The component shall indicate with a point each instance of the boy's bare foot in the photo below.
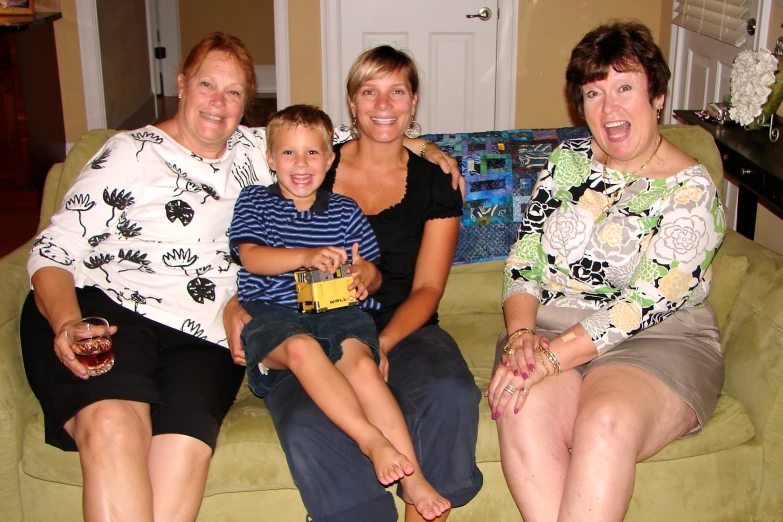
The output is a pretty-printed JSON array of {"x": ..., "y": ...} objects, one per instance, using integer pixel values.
[
  {"x": 428, "y": 502},
  {"x": 390, "y": 465}
]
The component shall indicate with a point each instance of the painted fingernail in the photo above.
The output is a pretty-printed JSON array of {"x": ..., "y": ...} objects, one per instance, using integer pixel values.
[
  {"x": 494, "y": 415},
  {"x": 516, "y": 372},
  {"x": 524, "y": 376},
  {"x": 486, "y": 393},
  {"x": 532, "y": 367},
  {"x": 516, "y": 410}
]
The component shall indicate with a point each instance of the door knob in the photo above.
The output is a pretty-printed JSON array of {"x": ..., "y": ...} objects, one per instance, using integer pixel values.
[
  {"x": 485, "y": 13},
  {"x": 751, "y": 29}
]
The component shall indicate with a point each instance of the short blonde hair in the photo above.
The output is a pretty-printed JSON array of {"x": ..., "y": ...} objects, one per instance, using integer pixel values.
[
  {"x": 307, "y": 116},
  {"x": 381, "y": 61}
]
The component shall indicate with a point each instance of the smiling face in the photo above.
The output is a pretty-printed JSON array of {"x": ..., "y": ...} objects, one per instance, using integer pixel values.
[
  {"x": 301, "y": 158},
  {"x": 384, "y": 106},
  {"x": 623, "y": 121},
  {"x": 212, "y": 104}
]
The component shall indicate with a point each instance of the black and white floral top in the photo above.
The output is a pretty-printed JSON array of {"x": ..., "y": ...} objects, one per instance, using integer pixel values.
[
  {"x": 147, "y": 222},
  {"x": 633, "y": 249}
]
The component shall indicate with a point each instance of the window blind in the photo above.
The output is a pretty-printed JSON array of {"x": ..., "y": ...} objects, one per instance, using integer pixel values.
[{"x": 724, "y": 20}]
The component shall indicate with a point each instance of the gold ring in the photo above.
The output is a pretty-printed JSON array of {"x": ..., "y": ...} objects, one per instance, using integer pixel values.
[
  {"x": 525, "y": 390},
  {"x": 510, "y": 389}
]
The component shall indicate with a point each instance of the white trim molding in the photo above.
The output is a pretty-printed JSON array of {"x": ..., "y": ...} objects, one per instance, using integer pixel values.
[
  {"x": 333, "y": 92},
  {"x": 282, "y": 66},
  {"x": 92, "y": 72},
  {"x": 505, "y": 70}
]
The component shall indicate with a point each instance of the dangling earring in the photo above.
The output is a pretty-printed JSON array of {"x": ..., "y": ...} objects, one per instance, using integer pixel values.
[
  {"x": 414, "y": 129},
  {"x": 179, "y": 96},
  {"x": 355, "y": 131},
  {"x": 659, "y": 112}
]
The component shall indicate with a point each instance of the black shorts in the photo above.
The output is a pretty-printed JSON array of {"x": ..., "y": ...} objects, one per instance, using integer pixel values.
[{"x": 189, "y": 383}]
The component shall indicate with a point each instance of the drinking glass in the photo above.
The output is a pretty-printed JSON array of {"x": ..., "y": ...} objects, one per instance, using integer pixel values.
[{"x": 91, "y": 343}]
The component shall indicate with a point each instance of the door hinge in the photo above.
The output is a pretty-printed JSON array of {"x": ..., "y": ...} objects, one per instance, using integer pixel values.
[{"x": 160, "y": 53}]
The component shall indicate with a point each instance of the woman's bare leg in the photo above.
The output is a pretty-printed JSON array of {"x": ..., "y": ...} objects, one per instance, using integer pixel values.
[
  {"x": 534, "y": 446},
  {"x": 384, "y": 413},
  {"x": 113, "y": 437},
  {"x": 625, "y": 415},
  {"x": 178, "y": 467},
  {"x": 330, "y": 390}
]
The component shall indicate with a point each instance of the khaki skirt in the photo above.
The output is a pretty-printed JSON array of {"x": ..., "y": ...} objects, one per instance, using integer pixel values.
[{"x": 683, "y": 351}]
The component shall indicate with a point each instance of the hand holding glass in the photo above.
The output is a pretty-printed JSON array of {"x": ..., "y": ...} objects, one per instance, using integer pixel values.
[{"x": 91, "y": 344}]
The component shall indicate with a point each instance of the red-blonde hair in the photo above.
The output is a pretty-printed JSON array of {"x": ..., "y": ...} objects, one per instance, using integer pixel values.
[{"x": 232, "y": 46}]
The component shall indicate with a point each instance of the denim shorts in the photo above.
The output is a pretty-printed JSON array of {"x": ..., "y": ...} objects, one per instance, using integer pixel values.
[{"x": 271, "y": 325}]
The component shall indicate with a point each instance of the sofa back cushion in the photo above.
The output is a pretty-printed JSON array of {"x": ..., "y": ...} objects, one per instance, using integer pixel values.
[{"x": 60, "y": 178}]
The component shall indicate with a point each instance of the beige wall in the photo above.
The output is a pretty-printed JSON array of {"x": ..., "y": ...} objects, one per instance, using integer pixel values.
[
  {"x": 252, "y": 21},
  {"x": 304, "y": 43},
  {"x": 69, "y": 62},
  {"x": 546, "y": 38}
]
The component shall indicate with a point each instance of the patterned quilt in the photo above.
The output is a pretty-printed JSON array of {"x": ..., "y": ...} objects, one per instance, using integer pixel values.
[{"x": 500, "y": 169}]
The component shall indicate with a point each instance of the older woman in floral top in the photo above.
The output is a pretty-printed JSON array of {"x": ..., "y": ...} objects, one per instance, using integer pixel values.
[{"x": 610, "y": 351}]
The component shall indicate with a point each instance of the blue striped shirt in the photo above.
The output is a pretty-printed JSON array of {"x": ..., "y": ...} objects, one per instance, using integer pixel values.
[{"x": 263, "y": 216}]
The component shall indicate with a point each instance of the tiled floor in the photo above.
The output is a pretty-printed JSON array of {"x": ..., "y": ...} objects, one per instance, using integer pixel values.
[{"x": 18, "y": 226}]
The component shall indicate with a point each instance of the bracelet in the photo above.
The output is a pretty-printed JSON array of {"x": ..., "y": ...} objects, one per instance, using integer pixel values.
[
  {"x": 543, "y": 361},
  {"x": 424, "y": 147},
  {"x": 549, "y": 355},
  {"x": 513, "y": 336}
]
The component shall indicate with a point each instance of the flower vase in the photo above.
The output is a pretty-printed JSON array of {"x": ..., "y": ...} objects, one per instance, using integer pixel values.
[{"x": 770, "y": 107}]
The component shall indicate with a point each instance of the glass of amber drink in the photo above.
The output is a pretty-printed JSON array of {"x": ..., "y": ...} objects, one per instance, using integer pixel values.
[{"x": 91, "y": 344}]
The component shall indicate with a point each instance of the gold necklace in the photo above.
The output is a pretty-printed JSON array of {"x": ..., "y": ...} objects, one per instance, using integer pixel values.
[{"x": 644, "y": 165}]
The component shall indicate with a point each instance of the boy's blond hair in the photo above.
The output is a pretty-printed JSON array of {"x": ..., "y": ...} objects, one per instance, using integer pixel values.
[{"x": 307, "y": 116}]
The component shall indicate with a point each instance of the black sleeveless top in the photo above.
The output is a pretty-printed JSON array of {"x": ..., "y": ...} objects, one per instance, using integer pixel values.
[{"x": 399, "y": 229}]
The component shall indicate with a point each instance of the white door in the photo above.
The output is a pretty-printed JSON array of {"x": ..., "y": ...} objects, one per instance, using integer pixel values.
[
  {"x": 701, "y": 66},
  {"x": 456, "y": 56}
]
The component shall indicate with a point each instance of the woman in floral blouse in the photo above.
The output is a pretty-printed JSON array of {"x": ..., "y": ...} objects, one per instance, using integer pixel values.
[{"x": 610, "y": 350}]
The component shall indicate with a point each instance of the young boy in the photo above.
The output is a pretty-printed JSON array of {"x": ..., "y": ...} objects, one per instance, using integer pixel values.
[{"x": 335, "y": 355}]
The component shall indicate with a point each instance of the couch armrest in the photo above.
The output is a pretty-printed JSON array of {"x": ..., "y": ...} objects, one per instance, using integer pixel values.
[
  {"x": 16, "y": 398},
  {"x": 753, "y": 350}
]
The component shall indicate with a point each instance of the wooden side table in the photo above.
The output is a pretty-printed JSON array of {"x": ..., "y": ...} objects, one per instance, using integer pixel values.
[
  {"x": 752, "y": 162},
  {"x": 32, "y": 132}
]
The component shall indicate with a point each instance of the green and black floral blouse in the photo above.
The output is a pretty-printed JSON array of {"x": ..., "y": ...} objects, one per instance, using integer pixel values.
[{"x": 633, "y": 249}]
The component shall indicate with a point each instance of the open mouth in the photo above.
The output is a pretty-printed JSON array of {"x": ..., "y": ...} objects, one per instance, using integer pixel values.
[
  {"x": 617, "y": 130},
  {"x": 383, "y": 121},
  {"x": 301, "y": 179}
]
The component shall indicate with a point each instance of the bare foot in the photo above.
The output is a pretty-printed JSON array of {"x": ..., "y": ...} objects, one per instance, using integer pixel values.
[
  {"x": 390, "y": 465},
  {"x": 428, "y": 502}
]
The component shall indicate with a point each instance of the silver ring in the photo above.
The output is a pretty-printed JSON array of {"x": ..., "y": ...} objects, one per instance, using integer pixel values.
[{"x": 510, "y": 389}]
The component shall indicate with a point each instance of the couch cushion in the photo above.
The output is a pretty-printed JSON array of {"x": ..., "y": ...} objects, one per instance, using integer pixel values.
[
  {"x": 727, "y": 277},
  {"x": 249, "y": 457}
]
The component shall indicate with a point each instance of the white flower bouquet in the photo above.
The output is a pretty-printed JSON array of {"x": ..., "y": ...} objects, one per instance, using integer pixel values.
[{"x": 756, "y": 91}]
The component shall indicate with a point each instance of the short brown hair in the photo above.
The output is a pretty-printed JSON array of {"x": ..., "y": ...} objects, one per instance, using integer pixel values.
[
  {"x": 232, "y": 46},
  {"x": 380, "y": 61},
  {"x": 623, "y": 46},
  {"x": 307, "y": 116}
]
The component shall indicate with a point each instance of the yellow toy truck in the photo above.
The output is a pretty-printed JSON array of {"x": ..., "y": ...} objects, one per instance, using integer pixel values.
[{"x": 321, "y": 291}]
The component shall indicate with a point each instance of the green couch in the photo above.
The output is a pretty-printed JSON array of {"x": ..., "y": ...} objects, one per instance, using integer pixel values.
[{"x": 733, "y": 471}]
